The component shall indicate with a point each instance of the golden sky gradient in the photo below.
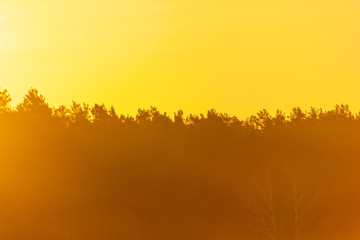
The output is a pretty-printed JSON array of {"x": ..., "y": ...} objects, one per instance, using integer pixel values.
[{"x": 236, "y": 56}]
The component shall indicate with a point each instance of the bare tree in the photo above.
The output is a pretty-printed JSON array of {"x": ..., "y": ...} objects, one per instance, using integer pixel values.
[
  {"x": 299, "y": 199},
  {"x": 295, "y": 200},
  {"x": 263, "y": 210}
]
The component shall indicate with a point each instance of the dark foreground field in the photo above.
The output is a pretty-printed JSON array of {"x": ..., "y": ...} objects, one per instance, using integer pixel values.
[{"x": 87, "y": 173}]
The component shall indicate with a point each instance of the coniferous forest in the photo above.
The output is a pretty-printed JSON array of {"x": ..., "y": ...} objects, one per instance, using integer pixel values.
[{"x": 88, "y": 172}]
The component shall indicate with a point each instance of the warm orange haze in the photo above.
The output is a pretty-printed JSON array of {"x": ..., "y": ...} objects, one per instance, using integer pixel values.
[
  {"x": 86, "y": 172},
  {"x": 215, "y": 159}
]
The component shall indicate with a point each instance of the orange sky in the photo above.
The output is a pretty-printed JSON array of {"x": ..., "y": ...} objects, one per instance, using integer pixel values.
[{"x": 235, "y": 56}]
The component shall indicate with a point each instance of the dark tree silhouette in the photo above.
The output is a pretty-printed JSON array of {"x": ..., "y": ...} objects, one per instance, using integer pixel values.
[{"x": 86, "y": 172}]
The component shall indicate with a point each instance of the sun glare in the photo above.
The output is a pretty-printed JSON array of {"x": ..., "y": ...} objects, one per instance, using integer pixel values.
[{"x": 3, "y": 32}]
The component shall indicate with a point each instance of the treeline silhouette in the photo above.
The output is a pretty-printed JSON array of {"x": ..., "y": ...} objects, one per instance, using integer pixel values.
[{"x": 85, "y": 172}]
